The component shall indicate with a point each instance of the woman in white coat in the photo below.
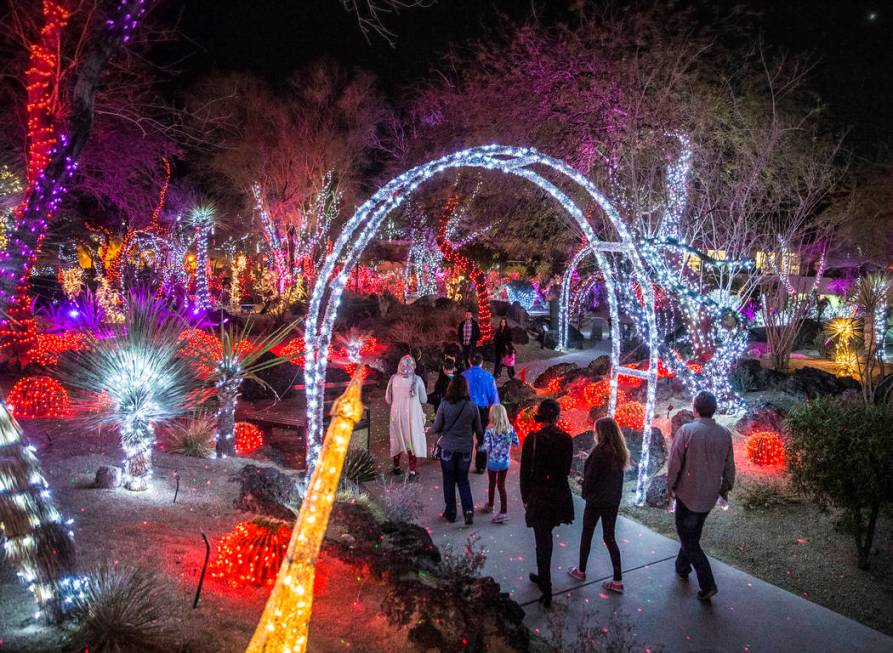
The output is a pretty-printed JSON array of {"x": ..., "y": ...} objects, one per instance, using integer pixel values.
[{"x": 406, "y": 395}]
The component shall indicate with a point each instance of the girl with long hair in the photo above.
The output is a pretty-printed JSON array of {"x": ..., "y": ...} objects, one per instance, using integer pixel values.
[
  {"x": 602, "y": 489},
  {"x": 499, "y": 438}
]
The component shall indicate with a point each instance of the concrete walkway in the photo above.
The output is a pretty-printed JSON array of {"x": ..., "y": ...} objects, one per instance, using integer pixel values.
[
  {"x": 748, "y": 615},
  {"x": 581, "y": 357}
]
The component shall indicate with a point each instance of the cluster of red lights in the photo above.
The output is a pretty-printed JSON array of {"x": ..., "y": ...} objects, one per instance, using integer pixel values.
[
  {"x": 630, "y": 415},
  {"x": 765, "y": 448},
  {"x": 34, "y": 397},
  {"x": 205, "y": 350},
  {"x": 248, "y": 438},
  {"x": 292, "y": 349},
  {"x": 524, "y": 423},
  {"x": 598, "y": 393},
  {"x": 251, "y": 554},
  {"x": 48, "y": 347},
  {"x": 471, "y": 270}
]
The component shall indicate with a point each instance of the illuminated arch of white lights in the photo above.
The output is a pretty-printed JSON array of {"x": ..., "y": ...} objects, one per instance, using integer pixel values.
[{"x": 523, "y": 162}]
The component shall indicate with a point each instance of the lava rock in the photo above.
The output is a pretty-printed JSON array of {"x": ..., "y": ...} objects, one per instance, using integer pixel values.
[
  {"x": 679, "y": 420},
  {"x": 761, "y": 416},
  {"x": 515, "y": 391},
  {"x": 599, "y": 367},
  {"x": 811, "y": 382},
  {"x": 517, "y": 314},
  {"x": 657, "y": 452},
  {"x": 499, "y": 308},
  {"x": 267, "y": 491},
  {"x": 554, "y": 372},
  {"x": 656, "y": 494},
  {"x": 108, "y": 477}
]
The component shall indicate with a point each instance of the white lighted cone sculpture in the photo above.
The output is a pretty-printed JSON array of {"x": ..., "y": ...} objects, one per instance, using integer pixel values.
[
  {"x": 528, "y": 164},
  {"x": 285, "y": 622}
]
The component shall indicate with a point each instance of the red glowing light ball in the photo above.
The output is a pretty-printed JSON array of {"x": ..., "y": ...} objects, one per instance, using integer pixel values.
[
  {"x": 524, "y": 423},
  {"x": 630, "y": 415},
  {"x": 251, "y": 553},
  {"x": 248, "y": 438},
  {"x": 34, "y": 397},
  {"x": 599, "y": 394},
  {"x": 292, "y": 349},
  {"x": 765, "y": 448}
]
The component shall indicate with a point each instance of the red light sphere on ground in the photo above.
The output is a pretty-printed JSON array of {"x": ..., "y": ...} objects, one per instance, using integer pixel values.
[
  {"x": 631, "y": 415},
  {"x": 765, "y": 448},
  {"x": 251, "y": 554},
  {"x": 248, "y": 438},
  {"x": 34, "y": 397}
]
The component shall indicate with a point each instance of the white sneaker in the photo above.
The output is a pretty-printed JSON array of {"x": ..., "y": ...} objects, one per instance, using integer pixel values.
[{"x": 501, "y": 518}]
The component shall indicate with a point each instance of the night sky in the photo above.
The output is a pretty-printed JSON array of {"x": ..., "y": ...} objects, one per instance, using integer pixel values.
[{"x": 850, "y": 40}]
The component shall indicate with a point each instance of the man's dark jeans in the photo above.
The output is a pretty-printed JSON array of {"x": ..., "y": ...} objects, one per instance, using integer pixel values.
[
  {"x": 480, "y": 457},
  {"x": 467, "y": 353},
  {"x": 689, "y": 526},
  {"x": 455, "y": 473},
  {"x": 542, "y": 535}
]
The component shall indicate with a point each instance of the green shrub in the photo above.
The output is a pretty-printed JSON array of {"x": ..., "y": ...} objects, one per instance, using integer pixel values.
[
  {"x": 194, "y": 438},
  {"x": 840, "y": 453},
  {"x": 121, "y": 611},
  {"x": 763, "y": 496},
  {"x": 359, "y": 467}
]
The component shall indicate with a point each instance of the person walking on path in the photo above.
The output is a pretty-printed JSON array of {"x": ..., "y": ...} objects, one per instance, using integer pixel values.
[
  {"x": 483, "y": 392},
  {"x": 700, "y": 471},
  {"x": 602, "y": 490},
  {"x": 502, "y": 345},
  {"x": 446, "y": 374},
  {"x": 406, "y": 395},
  {"x": 499, "y": 438},
  {"x": 457, "y": 423},
  {"x": 468, "y": 333},
  {"x": 545, "y": 465}
]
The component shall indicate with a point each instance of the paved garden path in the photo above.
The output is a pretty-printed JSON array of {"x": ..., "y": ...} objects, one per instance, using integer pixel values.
[
  {"x": 581, "y": 357},
  {"x": 747, "y": 615}
]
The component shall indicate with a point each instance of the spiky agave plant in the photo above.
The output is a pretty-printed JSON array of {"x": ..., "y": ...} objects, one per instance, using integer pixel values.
[
  {"x": 135, "y": 381},
  {"x": 226, "y": 362}
]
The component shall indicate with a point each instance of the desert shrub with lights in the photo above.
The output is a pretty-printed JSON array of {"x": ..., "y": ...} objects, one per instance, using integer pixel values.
[
  {"x": 630, "y": 415},
  {"x": 34, "y": 397},
  {"x": 840, "y": 453},
  {"x": 251, "y": 554},
  {"x": 765, "y": 448},
  {"x": 141, "y": 380},
  {"x": 226, "y": 360}
]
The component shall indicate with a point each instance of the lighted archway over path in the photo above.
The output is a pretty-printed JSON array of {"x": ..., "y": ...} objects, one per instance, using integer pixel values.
[{"x": 529, "y": 164}]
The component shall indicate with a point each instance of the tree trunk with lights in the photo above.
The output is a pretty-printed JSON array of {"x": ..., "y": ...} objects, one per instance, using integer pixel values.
[
  {"x": 227, "y": 396},
  {"x": 137, "y": 440}
]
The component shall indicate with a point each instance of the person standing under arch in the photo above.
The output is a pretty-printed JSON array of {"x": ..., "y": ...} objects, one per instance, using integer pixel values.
[
  {"x": 406, "y": 395},
  {"x": 546, "y": 458},
  {"x": 502, "y": 347},
  {"x": 468, "y": 333}
]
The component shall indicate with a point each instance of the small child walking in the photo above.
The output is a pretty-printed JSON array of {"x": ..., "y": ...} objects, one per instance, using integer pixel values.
[{"x": 499, "y": 438}]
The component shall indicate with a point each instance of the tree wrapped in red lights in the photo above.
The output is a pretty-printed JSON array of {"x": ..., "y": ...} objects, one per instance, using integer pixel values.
[
  {"x": 765, "y": 448},
  {"x": 251, "y": 554},
  {"x": 248, "y": 438},
  {"x": 467, "y": 266},
  {"x": 34, "y": 397}
]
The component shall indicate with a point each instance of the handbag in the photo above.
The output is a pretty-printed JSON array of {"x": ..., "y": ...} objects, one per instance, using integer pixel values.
[
  {"x": 437, "y": 449},
  {"x": 509, "y": 360}
]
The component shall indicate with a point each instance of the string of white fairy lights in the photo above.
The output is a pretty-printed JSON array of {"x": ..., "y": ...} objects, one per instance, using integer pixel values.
[{"x": 366, "y": 221}]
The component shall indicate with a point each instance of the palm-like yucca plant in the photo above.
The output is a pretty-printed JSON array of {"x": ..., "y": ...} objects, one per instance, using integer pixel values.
[
  {"x": 870, "y": 294},
  {"x": 226, "y": 362},
  {"x": 135, "y": 381}
]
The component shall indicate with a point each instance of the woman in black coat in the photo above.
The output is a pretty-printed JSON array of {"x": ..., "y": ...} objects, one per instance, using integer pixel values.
[
  {"x": 502, "y": 343},
  {"x": 545, "y": 465}
]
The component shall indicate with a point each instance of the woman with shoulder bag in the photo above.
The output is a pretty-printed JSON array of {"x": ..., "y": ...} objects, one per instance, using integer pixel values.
[
  {"x": 457, "y": 423},
  {"x": 545, "y": 465},
  {"x": 502, "y": 346}
]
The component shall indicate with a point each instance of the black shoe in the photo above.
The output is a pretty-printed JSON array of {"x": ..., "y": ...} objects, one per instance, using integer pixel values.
[
  {"x": 396, "y": 471},
  {"x": 469, "y": 518},
  {"x": 706, "y": 595},
  {"x": 546, "y": 601},
  {"x": 682, "y": 577},
  {"x": 534, "y": 579},
  {"x": 449, "y": 520},
  {"x": 412, "y": 477}
]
